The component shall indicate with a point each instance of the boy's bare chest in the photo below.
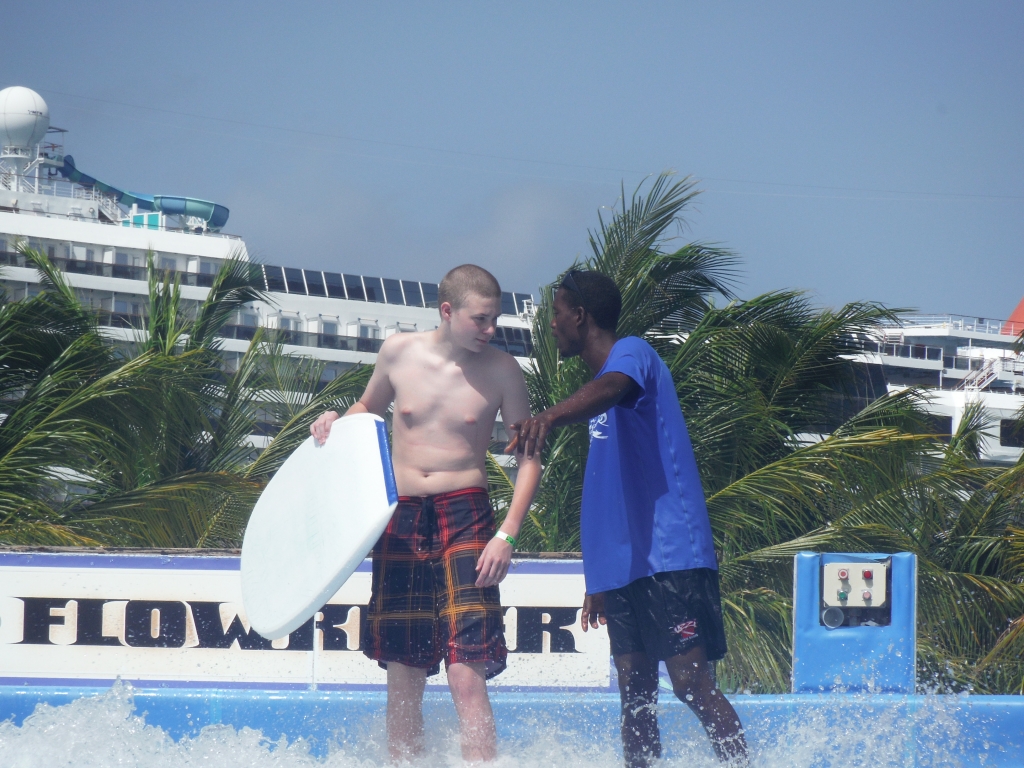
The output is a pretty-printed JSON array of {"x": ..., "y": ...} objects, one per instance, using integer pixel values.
[{"x": 444, "y": 394}]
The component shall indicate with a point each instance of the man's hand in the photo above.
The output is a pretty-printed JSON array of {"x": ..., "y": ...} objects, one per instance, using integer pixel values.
[
  {"x": 530, "y": 435},
  {"x": 593, "y": 611},
  {"x": 321, "y": 428},
  {"x": 493, "y": 563}
]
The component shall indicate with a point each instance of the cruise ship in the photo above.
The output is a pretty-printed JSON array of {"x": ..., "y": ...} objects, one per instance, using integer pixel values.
[{"x": 100, "y": 235}]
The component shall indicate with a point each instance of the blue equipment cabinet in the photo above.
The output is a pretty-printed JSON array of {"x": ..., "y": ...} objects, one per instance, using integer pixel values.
[{"x": 854, "y": 622}]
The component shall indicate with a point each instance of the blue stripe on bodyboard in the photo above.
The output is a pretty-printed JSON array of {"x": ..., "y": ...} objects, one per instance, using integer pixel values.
[{"x": 385, "y": 459}]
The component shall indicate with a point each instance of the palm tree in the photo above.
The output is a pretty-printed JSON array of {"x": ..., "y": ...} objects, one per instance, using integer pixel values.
[{"x": 147, "y": 442}]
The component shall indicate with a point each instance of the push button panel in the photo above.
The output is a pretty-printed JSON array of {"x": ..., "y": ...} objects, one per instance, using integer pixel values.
[{"x": 854, "y": 585}]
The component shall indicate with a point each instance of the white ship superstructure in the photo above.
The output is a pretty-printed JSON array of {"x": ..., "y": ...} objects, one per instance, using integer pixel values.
[
  {"x": 960, "y": 360},
  {"x": 100, "y": 236}
]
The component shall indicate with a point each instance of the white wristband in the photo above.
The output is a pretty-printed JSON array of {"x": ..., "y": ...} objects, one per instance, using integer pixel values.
[{"x": 505, "y": 537}]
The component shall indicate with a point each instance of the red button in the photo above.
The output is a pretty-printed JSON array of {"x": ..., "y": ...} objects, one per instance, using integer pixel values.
[
  {"x": 866, "y": 594},
  {"x": 868, "y": 575},
  {"x": 844, "y": 574}
]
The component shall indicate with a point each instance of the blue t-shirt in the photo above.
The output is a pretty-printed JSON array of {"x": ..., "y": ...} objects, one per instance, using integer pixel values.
[{"x": 643, "y": 506}]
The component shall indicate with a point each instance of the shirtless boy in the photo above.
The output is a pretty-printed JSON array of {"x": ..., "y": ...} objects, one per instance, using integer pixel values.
[{"x": 436, "y": 568}]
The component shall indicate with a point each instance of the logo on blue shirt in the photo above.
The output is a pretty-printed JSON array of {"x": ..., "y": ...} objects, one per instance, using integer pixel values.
[{"x": 595, "y": 427}]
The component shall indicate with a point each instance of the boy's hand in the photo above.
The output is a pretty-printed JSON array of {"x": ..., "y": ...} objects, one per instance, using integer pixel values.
[
  {"x": 321, "y": 428},
  {"x": 493, "y": 563},
  {"x": 530, "y": 435},
  {"x": 593, "y": 611}
]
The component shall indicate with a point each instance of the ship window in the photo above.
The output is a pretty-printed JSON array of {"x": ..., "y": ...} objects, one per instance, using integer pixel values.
[
  {"x": 3, "y": 248},
  {"x": 293, "y": 278},
  {"x": 354, "y": 286},
  {"x": 522, "y": 297},
  {"x": 331, "y": 329},
  {"x": 429, "y": 294},
  {"x": 393, "y": 291},
  {"x": 940, "y": 425},
  {"x": 374, "y": 291},
  {"x": 335, "y": 286},
  {"x": 411, "y": 289},
  {"x": 207, "y": 268},
  {"x": 1011, "y": 433},
  {"x": 121, "y": 258},
  {"x": 165, "y": 262},
  {"x": 275, "y": 279},
  {"x": 314, "y": 282},
  {"x": 50, "y": 250},
  {"x": 508, "y": 304}
]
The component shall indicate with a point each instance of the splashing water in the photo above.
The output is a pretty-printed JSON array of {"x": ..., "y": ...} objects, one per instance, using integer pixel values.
[{"x": 106, "y": 731}]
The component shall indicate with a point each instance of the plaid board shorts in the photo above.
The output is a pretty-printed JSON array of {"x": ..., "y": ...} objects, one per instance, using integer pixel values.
[{"x": 424, "y": 605}]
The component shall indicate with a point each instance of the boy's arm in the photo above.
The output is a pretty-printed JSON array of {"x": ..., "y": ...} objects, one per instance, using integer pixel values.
[
  {"x": 592, "y": 399},
  {"x": 497, "y": 555},
  {"x": 376, "y": 398}
]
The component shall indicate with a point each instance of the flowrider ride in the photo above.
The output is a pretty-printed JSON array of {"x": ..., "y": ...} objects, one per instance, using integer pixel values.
[{"x": 315, "y": 522}]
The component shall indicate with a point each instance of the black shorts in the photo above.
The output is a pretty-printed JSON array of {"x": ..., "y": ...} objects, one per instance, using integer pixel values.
[{"x": 667, "y": 614}]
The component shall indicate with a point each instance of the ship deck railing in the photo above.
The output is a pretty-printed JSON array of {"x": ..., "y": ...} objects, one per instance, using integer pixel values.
[
  {"x": 960, "y": 323},
  {"x": 517, "y": 347},
  {"x": 50, "y": 187}
]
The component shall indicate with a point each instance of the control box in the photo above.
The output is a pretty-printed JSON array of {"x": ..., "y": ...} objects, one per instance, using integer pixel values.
[
  {"x": 854, "y": 622},
  {"x": 854, "y": 585},
  {"x": 856, "y": 593}
]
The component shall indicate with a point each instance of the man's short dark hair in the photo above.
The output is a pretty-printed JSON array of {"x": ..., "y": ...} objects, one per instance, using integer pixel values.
[
  {"x": 464, "y": 280},
  {"x": 596, "y": 293}
]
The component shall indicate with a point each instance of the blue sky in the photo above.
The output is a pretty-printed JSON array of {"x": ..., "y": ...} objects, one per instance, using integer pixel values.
[{"x": 859, "y": 151}]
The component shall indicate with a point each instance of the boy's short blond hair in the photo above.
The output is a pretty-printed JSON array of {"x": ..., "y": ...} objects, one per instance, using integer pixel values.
[{"x": 464, "y": 280}]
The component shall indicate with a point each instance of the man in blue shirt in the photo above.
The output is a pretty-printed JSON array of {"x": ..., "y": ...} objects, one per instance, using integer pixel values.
[{"x": 648, "y": 554}]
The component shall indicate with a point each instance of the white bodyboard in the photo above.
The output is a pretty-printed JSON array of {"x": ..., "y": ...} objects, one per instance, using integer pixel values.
[{"x": 315, "y": 522}]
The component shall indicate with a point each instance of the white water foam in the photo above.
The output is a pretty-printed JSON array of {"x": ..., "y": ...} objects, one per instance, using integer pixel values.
[{"x": 106, "y": 732}]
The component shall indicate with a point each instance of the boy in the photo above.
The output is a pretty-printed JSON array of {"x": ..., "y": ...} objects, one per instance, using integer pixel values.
[
  {"x": 436, "y": 568},
  {"x": 648, "y": 556}
]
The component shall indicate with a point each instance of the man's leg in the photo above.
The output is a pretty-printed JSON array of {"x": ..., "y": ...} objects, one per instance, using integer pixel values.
[
  {"x": 476, "y": 720},
  {"x": 694, "y": 685},
  {"x": 405, "y": 710},
  {"x": 638, "y": 693}
]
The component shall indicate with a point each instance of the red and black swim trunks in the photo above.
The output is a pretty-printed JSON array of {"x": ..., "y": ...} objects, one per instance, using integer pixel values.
[{"x": 425, "y": 606}]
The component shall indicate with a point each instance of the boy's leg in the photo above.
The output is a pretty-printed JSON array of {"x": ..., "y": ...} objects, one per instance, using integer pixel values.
[
  {"x": 695, "y": 686},
  {"x": 405, "y": 710},
  {"x": 476, "y": 720},
  {"x": 638, "y": 693}
]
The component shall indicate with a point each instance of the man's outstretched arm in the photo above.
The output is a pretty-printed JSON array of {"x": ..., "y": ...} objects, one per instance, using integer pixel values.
[{"x": 592, "y": 399}]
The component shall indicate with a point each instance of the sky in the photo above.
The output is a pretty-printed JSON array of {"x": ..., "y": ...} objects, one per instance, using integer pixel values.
[{"x": 862, "y": 151}]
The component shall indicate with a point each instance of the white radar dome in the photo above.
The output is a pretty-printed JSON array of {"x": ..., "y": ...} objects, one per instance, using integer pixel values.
[{"x": 24, "y": 117}]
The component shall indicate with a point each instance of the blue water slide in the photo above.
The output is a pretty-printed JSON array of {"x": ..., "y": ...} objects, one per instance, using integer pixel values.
[{"x": 215, "y": 215}]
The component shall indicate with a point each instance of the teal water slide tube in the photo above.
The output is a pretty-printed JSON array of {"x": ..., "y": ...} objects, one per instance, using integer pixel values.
[{"x": 215, "y": 216}]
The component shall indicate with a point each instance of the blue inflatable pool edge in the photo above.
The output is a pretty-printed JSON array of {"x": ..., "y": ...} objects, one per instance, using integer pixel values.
[{"x": 962, "y": 727}]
